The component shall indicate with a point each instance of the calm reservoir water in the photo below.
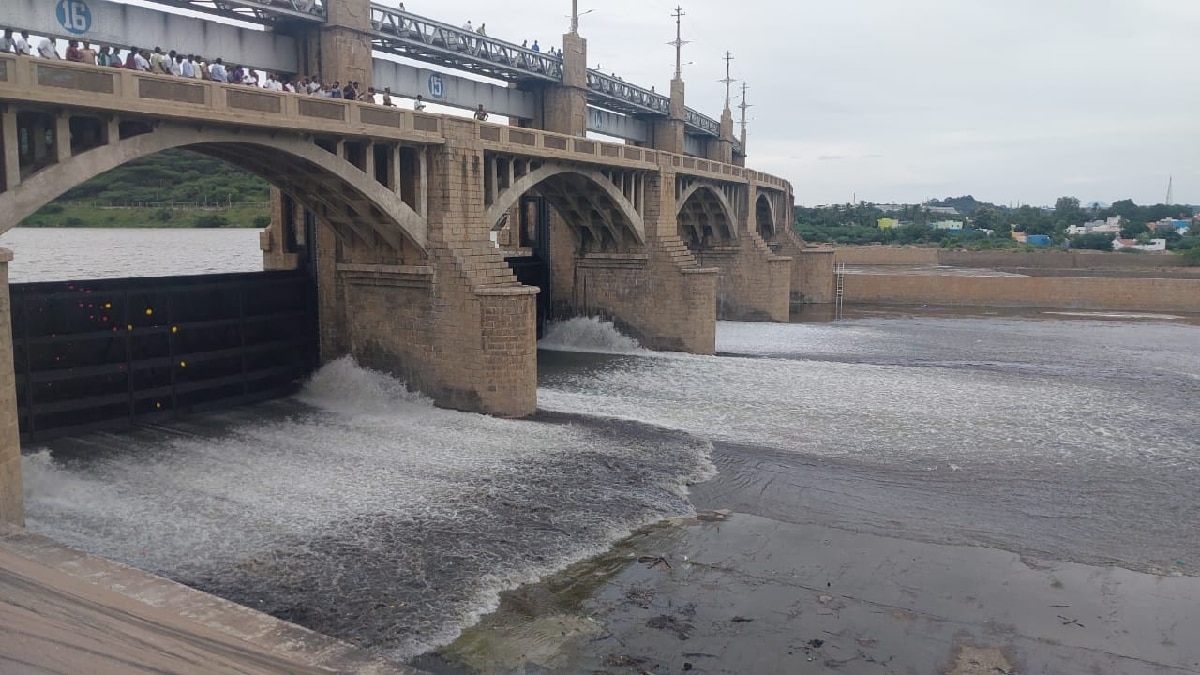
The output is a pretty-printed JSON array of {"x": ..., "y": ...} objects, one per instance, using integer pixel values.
[{"x": 358, "y": 509}]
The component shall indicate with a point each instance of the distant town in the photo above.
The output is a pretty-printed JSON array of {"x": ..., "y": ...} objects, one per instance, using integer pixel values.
[{"x": 964, "y": 222}]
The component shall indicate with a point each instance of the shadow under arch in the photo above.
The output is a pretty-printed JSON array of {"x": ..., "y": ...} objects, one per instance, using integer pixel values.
[
  {"x": 705, "y": 217},
  {"x": 764, "y": 216},
  {"x": 582, "y": 195},
  {"x": 330, "y": 186}
]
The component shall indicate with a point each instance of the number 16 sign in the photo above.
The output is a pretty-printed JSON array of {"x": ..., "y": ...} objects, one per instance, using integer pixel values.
[{"x": 74, "y": 16}]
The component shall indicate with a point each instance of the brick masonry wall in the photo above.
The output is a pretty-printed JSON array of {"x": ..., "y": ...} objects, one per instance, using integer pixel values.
[
  {"x": 1158, "y": 295},
  {"x": 812, "y": 269},
  {"x": 886, "y": 255},
  {"x": 12, "y": 508},
  {"x": 752, "y": 283}
]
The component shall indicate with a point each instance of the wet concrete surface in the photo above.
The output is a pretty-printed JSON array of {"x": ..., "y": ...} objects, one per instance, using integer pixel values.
[
  {"x": 63, "y": 611},
  {"x": 744, "y": 594}
]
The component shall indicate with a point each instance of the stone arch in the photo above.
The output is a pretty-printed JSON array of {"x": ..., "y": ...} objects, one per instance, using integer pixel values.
[
  {"x": 764, "y": 215},
  {"x": 349, "y": 197},
  {"x": 705, "y": 217},
  {"x": 574, "y": 190}
]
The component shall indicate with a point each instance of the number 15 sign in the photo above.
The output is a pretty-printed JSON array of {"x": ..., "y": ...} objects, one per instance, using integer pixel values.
[{"x": 74, "y": 16}]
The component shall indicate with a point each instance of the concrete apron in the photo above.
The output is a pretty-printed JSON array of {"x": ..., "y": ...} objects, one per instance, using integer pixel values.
[{"x": 66, "y": 611}]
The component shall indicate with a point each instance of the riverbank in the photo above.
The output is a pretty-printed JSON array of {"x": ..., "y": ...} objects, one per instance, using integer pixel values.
[{"x": 89, "y": 216}]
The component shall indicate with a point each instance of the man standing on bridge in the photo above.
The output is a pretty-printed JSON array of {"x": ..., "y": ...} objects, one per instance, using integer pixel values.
[{"x": 481, "y": 114}]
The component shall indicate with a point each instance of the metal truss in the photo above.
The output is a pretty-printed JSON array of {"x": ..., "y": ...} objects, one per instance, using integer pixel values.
[
  {"x": 422, "y": 39},
  {"x": 429, "y": 41},
  {"x": 700, "y": 122},
  {"x": 266, "y": 12}
]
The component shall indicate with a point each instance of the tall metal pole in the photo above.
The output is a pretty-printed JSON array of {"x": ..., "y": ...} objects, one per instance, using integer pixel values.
[
  {"x": 574, "y": 17},
  {"x": 743, "y": 107},
  {"x": 679, "y": 42},
  {"x": 728, "y": 80}
]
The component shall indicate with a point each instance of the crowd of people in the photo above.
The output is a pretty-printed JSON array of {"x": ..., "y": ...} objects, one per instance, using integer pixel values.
[{"x": 191, "y": 66}]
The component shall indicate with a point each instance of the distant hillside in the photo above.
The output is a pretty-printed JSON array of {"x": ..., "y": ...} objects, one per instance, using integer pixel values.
[
  {"x": 174, "y": 188},
  {"x": 172, "y": 176}
]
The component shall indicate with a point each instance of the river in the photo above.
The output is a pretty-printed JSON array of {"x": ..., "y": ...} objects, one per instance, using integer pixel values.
[{"x": 360, "y": 510}]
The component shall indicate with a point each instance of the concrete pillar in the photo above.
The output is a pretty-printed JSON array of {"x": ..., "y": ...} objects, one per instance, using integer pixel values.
[
  {"x": 721, "y": 149},
  {"x": 12, "y": 148},
  {"x": 62, "y": 137},
  {"x": 668, "y": 133},
  {"x": 12, "y": 504},
  {"x": 272, "y": 239},
  {"x": 564, "y": 108},
  {"x": 340, "y": 49}
]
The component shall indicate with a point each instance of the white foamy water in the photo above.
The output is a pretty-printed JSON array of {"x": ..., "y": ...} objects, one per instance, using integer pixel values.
[
  {"x": 374, "y": 515},
  {"x": 875, "y": 394},
  {"x": 588, "y": 334}
]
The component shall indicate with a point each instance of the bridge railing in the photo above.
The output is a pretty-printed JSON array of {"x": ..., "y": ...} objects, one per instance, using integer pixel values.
[
  {"x": 126, "y": 91},
  {"x": 55, "y": 83},
  {"x": 536, "y": 142}
]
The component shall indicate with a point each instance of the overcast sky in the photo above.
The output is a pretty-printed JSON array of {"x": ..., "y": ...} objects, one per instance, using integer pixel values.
[{"x": 902, "y": 100}]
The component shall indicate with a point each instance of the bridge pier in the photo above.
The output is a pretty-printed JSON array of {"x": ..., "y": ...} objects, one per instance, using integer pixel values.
[
  {"x": 12, "y": 507},
  {"x": 657, "y": 294},
  {"x": 753, "y": 283},
  {"x": 812, "y": 270}
]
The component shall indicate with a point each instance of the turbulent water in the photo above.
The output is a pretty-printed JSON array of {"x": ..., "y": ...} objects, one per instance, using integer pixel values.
[{"x": 360, "y": 510}]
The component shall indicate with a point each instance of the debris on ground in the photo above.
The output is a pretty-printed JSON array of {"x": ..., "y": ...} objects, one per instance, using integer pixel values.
[
  {"x": 670, "y": 624},
  {"x": 652, "y": 561},
  {"x": 740, "y": 619}
]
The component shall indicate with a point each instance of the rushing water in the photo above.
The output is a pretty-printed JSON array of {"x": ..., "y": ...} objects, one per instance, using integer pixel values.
[{"x": 360, "y": 510}]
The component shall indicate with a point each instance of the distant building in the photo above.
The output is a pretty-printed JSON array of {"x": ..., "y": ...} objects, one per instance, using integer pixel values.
[
  {"x": 887, "y": 223},
  {"x": 1110, "y": 226},
  {"x": 942, "y": 210},
  {"x": 947, "y": 225},
  {"x": 1154, "y": 245},
  {"x": 1171, "y": 225}
]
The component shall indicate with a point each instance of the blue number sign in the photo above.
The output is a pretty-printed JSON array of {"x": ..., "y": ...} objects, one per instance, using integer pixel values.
[
  {"x": 74, "y": 16},
  {"x": 437, "y": 86}
]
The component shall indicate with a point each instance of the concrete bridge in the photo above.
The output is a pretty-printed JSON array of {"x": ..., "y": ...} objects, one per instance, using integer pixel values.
[{"x": 400, "y": 214}]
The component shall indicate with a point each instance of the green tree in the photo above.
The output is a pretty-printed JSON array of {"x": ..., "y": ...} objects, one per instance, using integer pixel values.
[{"x": 1068, "y": 213}]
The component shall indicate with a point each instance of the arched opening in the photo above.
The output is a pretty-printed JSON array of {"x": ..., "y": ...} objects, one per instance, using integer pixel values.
[
  {"x": 705, "y": 219},
  {"x": 764, "y": 214},
  {"x": 168, "y": 337},
  {"x": 546, "y": 217}
]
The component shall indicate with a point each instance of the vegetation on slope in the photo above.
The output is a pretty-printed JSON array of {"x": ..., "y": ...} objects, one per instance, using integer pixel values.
[{"x": 174, "y": 188}]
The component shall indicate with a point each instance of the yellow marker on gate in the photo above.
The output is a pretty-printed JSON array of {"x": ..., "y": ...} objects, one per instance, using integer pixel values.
[
  {"x": 149, "y": 311},
  {"x": 183, "y": 364}
]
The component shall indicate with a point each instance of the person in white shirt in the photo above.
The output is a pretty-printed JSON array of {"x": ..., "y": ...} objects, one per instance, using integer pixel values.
[
  {"x": 217, "y": 71},
  {"x": 272, "y": 83},
  {"x": 468, "y": 27},
  {"x": 6, "y": 42},
  {"x": 419, "y": 104},
  {"x": 21, "y": 44},
  {"x": 140, "y": 62},
  {"x": 46, "y": 49},
  {"x": 188, "y": 67}
]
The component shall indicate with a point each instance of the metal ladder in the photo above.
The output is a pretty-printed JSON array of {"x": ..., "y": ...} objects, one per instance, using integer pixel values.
[{"x": 839, "y": 290}]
